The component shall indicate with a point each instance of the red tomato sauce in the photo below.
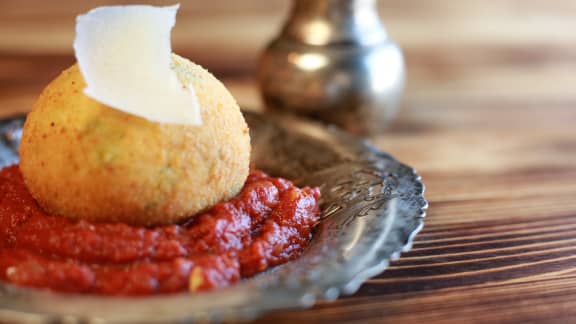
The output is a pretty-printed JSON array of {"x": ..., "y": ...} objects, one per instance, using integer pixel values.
[{"x": 268, "y": 223}]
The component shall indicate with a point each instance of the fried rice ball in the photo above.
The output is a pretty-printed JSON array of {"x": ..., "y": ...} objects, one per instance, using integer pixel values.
[{"x": 84, "y": 160}]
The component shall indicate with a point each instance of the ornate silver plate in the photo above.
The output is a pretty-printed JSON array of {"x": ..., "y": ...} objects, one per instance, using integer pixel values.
[{"x": 372, "y": 207}]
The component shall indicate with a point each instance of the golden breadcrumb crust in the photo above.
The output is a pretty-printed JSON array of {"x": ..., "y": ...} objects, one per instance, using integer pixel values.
[{"x": 84, "y": 160}]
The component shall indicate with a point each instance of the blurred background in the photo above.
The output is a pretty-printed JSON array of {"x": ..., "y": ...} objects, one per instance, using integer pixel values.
[
  {"x": 472, "y": 51},
  {"x": 492, "y": 67}
]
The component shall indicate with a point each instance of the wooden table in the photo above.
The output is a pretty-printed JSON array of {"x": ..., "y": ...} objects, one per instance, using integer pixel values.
[{"x": 489, "y": 121}]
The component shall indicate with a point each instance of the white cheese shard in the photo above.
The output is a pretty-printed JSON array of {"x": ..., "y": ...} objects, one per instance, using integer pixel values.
[{"x": 124, "y": 55}]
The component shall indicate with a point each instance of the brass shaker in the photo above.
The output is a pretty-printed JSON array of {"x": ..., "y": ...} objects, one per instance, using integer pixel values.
[{"x": 333, "y": 61}]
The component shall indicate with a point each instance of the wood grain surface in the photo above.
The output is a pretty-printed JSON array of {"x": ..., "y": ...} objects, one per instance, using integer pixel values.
[{"x": 489, "y": 121}]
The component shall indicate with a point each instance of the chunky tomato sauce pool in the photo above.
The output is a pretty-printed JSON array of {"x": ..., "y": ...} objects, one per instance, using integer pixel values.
[{"x": 268, "y": 223}]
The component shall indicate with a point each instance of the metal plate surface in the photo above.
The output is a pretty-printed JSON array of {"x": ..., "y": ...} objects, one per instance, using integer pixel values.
[{"x": 372, "y": 207}]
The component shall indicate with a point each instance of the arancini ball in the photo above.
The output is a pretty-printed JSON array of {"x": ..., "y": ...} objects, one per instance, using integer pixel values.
[{"x": 86, "y": 161}]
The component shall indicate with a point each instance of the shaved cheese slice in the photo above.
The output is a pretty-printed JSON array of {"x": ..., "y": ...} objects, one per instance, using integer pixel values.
[{"x": 124, "y": 55}]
